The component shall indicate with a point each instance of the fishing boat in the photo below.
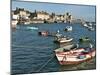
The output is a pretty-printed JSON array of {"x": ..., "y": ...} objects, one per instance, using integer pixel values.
[
  {"x": 84, "y": 39},
  {"x": 43, "y": 33},
  {"x": 68, "y": 28},
  {"x": 90, "y": 28},
  {"x": 53, "y": 34},
  {"x": 90, "y": 24},
  {"x": 32, "y": 28},
  {"x": 62, "y": 39},
  {"x": 58, "y": 34},
  {"x": 69, "y": 55},
  {"x": 85, "y": 25}
]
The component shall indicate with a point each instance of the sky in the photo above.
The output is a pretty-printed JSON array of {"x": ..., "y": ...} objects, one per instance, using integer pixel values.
[{"x": 86, "y": 12}]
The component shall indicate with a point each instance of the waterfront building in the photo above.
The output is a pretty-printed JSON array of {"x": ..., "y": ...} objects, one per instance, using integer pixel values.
[
  {"x": 62, "y": 17},
  {"x": 22, "y": 12},
  {"x": 68, "y": 17},
  {"x": 15, "y": 16},
  {"x": 14, "y": 20},
  {"x": 43, "y": 15},
  {"x": 59, "y": 18},
  {"x": 27, "y": 17},
  {"x": 37, "y": 21}
]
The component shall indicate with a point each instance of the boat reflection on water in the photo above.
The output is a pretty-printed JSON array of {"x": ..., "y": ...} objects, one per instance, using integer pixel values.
[
  {"x": 82, "y": 66},
  {"x": 68, "y": 67}
]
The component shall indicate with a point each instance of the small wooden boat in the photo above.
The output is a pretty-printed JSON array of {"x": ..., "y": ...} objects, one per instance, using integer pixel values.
[
  {"x": 91, "y": 29},
  {"x": 90, "y": 24},
  {"x": 85, "y": 25},
  {"x": 57, "y": 34},
  {"x": 62, "y": 39},
  {"x": 84, "y": 39},
  {"x": 43, "y": 33},
  {"x": 52, "y": 34},
  {"x": 68, "y": 28},
  {"x": 68, "y": 56}
]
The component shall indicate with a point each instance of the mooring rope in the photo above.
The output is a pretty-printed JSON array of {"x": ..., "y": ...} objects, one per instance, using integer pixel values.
[
  {"x": 46, "y": 63},
  {"x": 53, "y": 55}
]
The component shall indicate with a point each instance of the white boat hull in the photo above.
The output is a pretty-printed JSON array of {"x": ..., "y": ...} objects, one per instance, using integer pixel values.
[
  {"x": 68, "y": 28},
  {"x": 63, "y": 41},
  {"x": 66, "y": 58}
]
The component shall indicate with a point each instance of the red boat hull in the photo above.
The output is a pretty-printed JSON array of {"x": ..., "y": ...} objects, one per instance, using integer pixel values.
[{"x": 72, "y": 62}]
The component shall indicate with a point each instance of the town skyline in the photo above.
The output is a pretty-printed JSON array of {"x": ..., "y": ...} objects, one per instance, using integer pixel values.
[{"x": 78, "y": 11}]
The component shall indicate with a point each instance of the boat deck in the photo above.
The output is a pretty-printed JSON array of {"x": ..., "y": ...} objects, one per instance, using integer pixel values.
[{"x": 62, "y": 48}]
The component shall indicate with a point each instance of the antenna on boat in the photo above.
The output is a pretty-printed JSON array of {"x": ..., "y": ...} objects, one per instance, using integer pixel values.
[{"x": 45, "y": 64}]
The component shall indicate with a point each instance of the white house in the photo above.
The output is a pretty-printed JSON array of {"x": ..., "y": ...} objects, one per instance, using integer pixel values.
[
  {"x": 43, "y": 15},
  {"x": 15, "y": 16}
]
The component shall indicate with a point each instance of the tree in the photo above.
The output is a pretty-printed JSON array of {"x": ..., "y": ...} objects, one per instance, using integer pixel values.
[
  {"x": 32, "y": 15},
  {"x": 69, "y": 17},
  {"x": 67, "y": 13},
  {"x": 52, "y": 15},
  {"x": 16, "y": 11}
]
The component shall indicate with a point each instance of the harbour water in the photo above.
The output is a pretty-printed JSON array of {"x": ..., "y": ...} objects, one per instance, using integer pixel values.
[{"x": 31, "y": 51}]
